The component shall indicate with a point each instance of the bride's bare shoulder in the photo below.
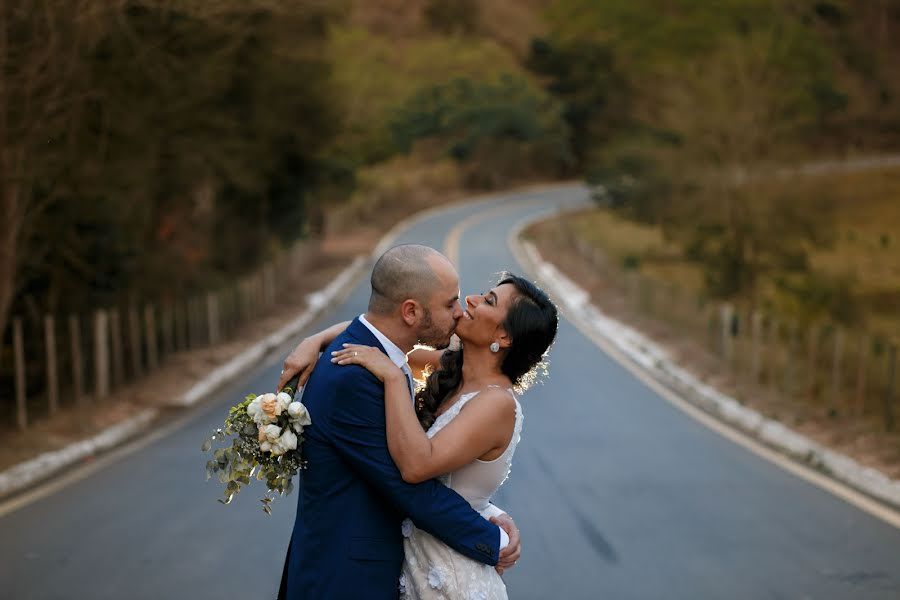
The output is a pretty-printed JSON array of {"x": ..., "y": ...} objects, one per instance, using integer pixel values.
[{"x": 497, "y": 400}]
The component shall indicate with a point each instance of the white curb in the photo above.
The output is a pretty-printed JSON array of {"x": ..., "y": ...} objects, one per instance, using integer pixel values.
[
  {"x": 654, "y": 359},
  {"x": 316, "y": 301},
  {"x": 26, "y": 473},
  {"x": 23, "y": 475}
]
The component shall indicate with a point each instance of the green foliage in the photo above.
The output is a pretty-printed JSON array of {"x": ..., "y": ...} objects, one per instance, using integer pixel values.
[
  {"x": 194, "y": 158},
  {"x": 742, "y": 239},
  {"x": 632, "y": 182},
  {"x": 620, "y": 65},
  {"x": 584, "y": 75},
  {"x": 374, "y": 75},
  {"x": 815, "y": 296},
  {"x": 466, "y": 115}
]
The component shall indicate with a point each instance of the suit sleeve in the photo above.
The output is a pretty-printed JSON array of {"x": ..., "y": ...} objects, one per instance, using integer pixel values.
[{"x": 358, "y": 434}]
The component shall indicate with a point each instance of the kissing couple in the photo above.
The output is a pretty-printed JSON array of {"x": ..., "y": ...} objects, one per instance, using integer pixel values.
[{"x": 395, "y": 501}]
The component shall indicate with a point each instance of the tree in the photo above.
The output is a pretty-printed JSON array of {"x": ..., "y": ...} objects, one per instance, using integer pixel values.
[
  {"x": 501, "y": 127},
  {"x": 44, "y": 91},
  {"x": 151, "y": 148}
]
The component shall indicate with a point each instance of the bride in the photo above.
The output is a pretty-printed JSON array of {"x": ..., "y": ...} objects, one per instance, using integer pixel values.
[{"x": 465, "y": 423}]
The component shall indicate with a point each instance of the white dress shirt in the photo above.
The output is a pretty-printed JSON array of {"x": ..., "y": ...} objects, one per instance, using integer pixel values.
[{"x": 398, "y": 357}]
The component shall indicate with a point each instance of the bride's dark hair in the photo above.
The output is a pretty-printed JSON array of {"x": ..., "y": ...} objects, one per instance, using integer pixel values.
[{"x": 531, "y": 323}]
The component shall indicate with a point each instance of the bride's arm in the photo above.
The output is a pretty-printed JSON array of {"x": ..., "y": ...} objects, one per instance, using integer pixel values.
[
  {"x": 486, "y": 424},
  {"x": 302, "y": 359}
]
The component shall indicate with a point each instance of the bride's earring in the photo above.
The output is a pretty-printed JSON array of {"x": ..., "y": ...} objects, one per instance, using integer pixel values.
[{"x": 495, "y": 347}]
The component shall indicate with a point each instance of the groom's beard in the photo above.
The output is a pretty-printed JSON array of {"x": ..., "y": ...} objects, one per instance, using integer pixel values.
[{"x": 429, "y": 335}]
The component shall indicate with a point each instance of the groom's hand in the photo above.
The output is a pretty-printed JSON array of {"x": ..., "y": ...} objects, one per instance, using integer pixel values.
[{"x": 509, "y": 555}]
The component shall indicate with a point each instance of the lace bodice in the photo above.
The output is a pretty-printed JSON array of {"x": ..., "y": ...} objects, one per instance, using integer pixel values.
[
  {"x": 480, "y": 479},
  {"x": 431, "y": 569}
]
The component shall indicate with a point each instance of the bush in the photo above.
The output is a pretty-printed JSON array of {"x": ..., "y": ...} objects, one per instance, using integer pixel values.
[{"x": 504, "y": 127}]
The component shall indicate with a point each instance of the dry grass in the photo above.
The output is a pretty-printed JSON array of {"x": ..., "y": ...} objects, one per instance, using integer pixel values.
[
  {"x": 865, "y": 252},
  {"x": 850, "y": 430},
  {"x": 392, "y": 190}
]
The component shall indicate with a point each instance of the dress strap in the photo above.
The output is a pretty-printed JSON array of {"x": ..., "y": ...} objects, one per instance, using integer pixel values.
[{"x": 510, "y": 390}]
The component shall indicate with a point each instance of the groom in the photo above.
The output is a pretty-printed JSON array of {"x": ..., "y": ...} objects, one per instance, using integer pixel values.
[{"x": 347, "y": 542}]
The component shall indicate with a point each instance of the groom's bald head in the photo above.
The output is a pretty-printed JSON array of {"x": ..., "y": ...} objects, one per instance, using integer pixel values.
[{"x": 405, "y": 272}]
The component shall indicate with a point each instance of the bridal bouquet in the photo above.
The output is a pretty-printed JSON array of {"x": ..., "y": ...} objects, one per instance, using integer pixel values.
[{"x": 268, "y": 434}]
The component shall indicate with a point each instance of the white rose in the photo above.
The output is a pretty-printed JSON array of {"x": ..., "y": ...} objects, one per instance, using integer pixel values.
[
  {"x": 277, "y": 449},
  {"x": 288, "y": 440},
  {"x": 254, "y": 408},
  {"x": 273, "y": 432},
  {"x": 283, "y": 400},
  {"x": 265, "y": 446},
  {"x": 299, "y": 414}
]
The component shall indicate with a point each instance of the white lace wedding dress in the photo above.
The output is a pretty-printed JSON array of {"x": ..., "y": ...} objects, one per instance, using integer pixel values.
[{"x": 431, "y": 569}]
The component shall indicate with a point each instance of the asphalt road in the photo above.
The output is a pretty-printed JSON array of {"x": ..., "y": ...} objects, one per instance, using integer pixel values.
[{"x": 618, "y": 494}]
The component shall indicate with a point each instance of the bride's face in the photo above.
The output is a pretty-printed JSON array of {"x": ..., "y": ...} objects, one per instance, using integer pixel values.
[{"x": 482, "y": 322}]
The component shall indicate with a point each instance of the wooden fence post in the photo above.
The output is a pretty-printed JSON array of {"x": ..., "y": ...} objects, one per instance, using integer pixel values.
[
  {"x": 632, "y": 287},
  {"x": 770, "y": 356},
  {"x": 19, "y": 354},
  {"x": 168, "y": 333},
  {"x": 790, "y": 343},
  {"x": 811, "y": 356},
  {"x": 152, "y": 346},
  {"x": 756, "y": 348},
  {"x": 889, "y": 390},
  {"x": 212, "y": 316},
  {"x": 836, "y": 366},
  {"x": 115, "y": 335},
  {"x": 52, "y": 375},
  {"x": 726, "y": 312},
  {"x": 134, "y": 339},
  {"x": 101, "y": 355},
  {"x": 77, "y": 368},
  {"x": 862, "y": 369},
  {"x": 191, "y": 314},
  {"x": 180, "y": 326}
]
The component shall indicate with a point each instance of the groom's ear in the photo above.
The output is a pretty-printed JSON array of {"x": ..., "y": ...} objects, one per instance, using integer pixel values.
[{"x": 410, "y": 311}]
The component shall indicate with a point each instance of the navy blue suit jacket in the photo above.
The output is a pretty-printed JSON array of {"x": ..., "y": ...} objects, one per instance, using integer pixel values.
[{"x": 352, "y": 499}]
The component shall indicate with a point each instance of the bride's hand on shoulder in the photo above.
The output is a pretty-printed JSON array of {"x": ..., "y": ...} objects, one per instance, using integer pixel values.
[
  {"x": 302, "y": 360},
  {"x": 373, "y": 359}
]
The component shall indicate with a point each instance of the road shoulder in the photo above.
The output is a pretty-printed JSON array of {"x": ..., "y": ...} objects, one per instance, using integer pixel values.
[{"x": 864, "y": 487}]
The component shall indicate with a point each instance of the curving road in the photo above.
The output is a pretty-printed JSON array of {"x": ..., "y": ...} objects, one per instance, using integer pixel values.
[{"x": 617, "y": 493}]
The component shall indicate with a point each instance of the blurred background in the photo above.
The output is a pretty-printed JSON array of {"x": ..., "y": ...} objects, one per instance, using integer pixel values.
[{"x": 172, "y": 171}]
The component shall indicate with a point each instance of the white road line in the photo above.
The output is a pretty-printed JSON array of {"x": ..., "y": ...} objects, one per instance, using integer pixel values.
[{"x": 451, "y": 242}]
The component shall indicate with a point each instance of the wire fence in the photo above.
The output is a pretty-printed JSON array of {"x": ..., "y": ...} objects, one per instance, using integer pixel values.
[
  {"x": 844, "y": 372},
  {"x": 80, "y": 359}
]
